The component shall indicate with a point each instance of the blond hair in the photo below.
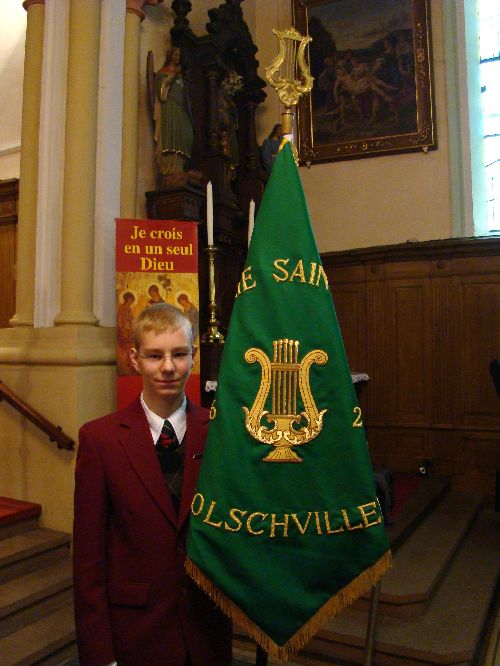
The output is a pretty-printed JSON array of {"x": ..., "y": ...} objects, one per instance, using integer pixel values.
[{"x": 161, "y": 317}]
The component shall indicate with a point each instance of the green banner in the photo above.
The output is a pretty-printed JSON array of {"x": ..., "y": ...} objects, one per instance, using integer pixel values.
[{"x": 285, "y": 528}]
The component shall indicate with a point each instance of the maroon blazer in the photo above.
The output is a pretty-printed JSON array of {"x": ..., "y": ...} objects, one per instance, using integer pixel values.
[{"x": 134, "y": 603}]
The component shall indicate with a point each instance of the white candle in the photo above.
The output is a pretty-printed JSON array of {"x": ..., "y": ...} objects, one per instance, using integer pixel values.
[
  {"x": 251, "y": 216},
  {"x": 210, "y": 214}
]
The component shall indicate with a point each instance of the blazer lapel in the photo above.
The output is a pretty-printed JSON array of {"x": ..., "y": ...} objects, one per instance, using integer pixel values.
[
  {"x": 136, "y": 440},
  {"x": 196, "y": 432}
]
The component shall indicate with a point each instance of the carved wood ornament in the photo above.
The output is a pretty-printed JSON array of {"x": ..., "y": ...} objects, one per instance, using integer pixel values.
[{"x": 224, "y": 90}]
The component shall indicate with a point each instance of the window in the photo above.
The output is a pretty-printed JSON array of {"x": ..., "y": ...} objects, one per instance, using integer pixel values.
[{"x": 489, "y": 50}]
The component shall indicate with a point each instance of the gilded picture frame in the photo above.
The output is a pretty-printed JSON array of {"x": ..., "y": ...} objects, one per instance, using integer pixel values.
[{"x": 373, "y": 88}]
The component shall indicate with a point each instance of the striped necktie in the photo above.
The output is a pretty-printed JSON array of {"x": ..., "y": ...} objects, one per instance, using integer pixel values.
[
  {"x": 167, "y": 440},
  {"x": 170, "y": 454}
]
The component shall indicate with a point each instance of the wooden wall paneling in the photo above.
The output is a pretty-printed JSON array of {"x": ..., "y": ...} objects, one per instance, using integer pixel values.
[
  {"x": 480, "y": 344},
  {"x": 7, "y": 273},
  {"x": 479, "y": 458},
  {"x": 445, "y": 328},
  {"x": 9, "y": 195},
  {"x": 399, "y": 449},
  {"x": 375, "y": 395},
  {"x": 431, "y": 318},
  {"x": 487, "y": 458},
  {"x": 445, "y": 450},
  {"x": 410, "y": 449},
  {"x": 348, "y": 290},
  {"x": 408, "y": 350},
  {"x": 347, "y": 287},
  {"x": 381, "y": 445},
  {"x": 348, "y": 301}
]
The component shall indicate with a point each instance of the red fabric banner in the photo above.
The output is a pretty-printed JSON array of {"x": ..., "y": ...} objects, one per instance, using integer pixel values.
[{"x": 156, "y": 262}]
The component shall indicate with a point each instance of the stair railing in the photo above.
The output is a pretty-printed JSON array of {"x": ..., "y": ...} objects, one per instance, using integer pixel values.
[{"x": 55, "y": 433}]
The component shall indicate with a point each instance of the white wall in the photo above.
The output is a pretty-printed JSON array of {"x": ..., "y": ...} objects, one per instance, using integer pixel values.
[
  {"x": 376, "y": 200},
  {"x": 353, "y": 203},
  {"x": 12, "y": 35}
]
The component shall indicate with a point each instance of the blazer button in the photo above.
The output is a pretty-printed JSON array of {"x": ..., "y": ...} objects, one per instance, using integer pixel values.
[{"x": 181, "y": 550}]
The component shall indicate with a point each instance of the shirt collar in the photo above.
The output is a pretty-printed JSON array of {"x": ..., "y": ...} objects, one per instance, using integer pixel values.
[{"x": 178, "y": 420}]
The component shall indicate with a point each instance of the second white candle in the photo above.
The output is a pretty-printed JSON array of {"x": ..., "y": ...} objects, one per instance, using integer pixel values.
[
  {"x": 251, "y": 220},
  {"x": 210, "y": 214}
]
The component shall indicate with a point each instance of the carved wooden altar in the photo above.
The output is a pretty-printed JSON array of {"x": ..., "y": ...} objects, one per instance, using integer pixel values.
[
  {"x": 9, "y": 196},
  {"x": 225, "y": 148}
]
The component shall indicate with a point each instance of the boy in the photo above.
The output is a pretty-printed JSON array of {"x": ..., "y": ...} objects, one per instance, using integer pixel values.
[{"x": 135, "y": 477}]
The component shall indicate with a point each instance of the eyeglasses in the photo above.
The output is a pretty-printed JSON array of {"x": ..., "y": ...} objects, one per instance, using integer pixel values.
[{"x": 177, "y": 358}]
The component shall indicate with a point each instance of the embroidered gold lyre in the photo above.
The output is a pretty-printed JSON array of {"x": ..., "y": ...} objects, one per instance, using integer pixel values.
[{"x": 283, "y": 376}]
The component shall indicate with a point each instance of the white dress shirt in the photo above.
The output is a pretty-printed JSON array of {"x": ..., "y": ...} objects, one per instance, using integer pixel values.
[{"x": 178, "y": 420}]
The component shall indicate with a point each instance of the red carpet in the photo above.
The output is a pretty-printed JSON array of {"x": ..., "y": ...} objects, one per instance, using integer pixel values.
[{"x": 14, "y": 511}]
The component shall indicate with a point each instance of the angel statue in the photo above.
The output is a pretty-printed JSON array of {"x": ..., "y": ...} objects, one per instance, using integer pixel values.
[{"x": 171, "y": 113}]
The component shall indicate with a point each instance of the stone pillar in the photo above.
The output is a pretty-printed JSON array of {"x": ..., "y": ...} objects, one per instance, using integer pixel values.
[
  {"x": 51, "y": 165},
  {"x": 108, "y": 158},
  {"x": 130, "y": 127},
  {"x": 80, "y": 155},
  {"x": 28, "y": 181}
]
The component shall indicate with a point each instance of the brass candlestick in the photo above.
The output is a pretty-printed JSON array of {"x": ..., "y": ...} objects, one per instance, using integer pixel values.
[
  {"x": 289, "y": 75},
  {"x": 212, "y": 333}
]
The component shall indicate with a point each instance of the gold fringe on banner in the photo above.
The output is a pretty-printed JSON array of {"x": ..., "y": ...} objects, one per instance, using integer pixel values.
[{"x": 344, "y": 597}]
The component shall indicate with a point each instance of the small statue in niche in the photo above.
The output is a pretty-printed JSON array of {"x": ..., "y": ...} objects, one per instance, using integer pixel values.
[
  {"x": 228, "y": 121},
  {"x": 270, "y": 147},
  {"x": 171, "y": 113}
]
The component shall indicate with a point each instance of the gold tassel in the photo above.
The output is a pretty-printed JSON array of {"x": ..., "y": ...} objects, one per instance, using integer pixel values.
[{"x": 344, "y": 597}]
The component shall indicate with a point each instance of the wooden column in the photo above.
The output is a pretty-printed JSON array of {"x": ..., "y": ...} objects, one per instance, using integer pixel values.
[
  {"x": 213, "y": 118},
  {"x": 252, "y": 150}
]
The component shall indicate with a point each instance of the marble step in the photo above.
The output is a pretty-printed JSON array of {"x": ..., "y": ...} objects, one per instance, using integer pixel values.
[
  {"x": 421, "y": 561},
  {"x": 25, "y": 590},
  {"x": 417, "y": 507},
  {"x": 450, "y": 630},
  {"x": 48, "y": 640},
  {"x": 25, "y": 552}
]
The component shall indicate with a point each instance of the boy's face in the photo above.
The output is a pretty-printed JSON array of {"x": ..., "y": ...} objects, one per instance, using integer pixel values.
[{"x": 165, "y": 361}]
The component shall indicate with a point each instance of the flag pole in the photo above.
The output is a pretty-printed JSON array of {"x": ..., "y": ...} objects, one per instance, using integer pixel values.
[
  {"x": 372, "y": 625},
  {"x": 233, "y": 569},
  {"x": 289, "y": 91}
]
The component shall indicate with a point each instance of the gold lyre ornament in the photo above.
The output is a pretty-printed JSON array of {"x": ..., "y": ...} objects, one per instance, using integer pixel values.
[
  {"x": 289, "y": 73},
  {"x": 283, "y": 376}
]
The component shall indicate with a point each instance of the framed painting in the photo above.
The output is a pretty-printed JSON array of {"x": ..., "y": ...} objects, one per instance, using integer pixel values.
[{"x": 372, "y": 68}]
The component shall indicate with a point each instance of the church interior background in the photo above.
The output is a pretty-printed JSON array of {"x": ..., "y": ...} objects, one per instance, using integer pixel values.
[{"x": 415, "y": 283}]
